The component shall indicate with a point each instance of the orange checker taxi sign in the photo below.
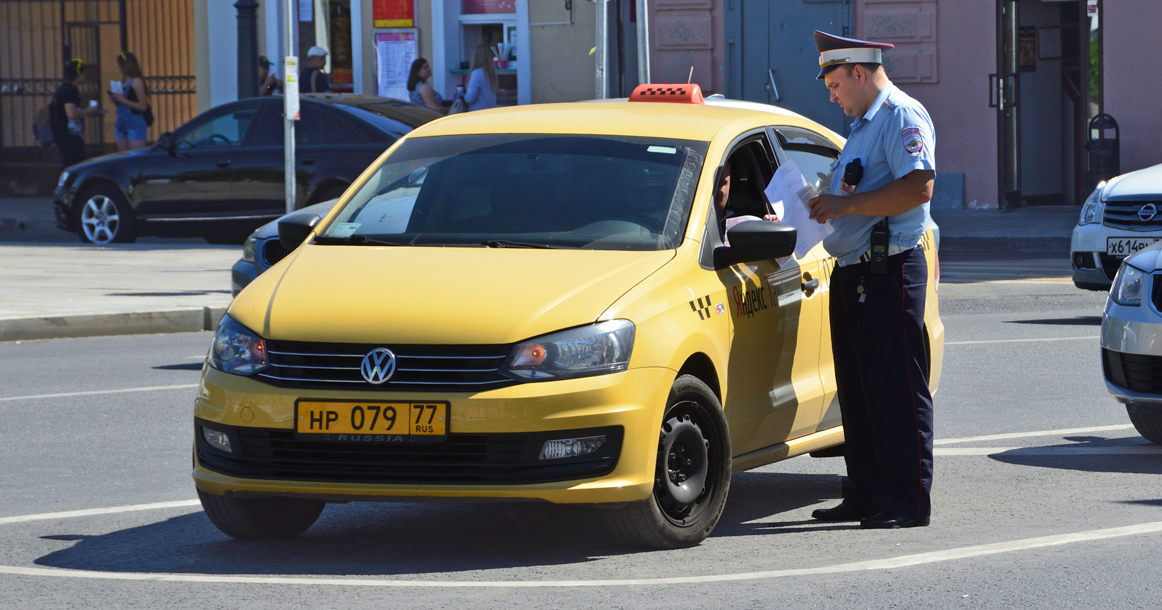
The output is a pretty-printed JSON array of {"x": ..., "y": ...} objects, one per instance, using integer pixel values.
[{"x": 540, "y": 303}]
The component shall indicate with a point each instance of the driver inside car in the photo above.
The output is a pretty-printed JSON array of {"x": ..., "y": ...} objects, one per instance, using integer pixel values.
[{"x": 741, "y": 196}]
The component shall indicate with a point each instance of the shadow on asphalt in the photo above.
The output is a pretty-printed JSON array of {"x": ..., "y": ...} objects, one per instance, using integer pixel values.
[
  {"x": 189, "y": 366},
  {"x": 1092, "y": 462},
  {"x": 416, "y": 539},
  {"x": 1074, "y": 321}
]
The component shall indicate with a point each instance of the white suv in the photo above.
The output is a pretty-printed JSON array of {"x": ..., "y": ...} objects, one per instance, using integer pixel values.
[{"x": 1121, "y": 217}]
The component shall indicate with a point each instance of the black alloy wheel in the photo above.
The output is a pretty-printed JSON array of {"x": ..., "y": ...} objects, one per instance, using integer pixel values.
[{"x": 692, "y": 476}]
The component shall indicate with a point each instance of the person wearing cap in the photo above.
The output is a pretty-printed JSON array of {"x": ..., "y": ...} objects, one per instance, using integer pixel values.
[
  {"x": 267, "y": 81},
  {"x": 313, "y": 80},
  {"x": 880, "y": 193}
]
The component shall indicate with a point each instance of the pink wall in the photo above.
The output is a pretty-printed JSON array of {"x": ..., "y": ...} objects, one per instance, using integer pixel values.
[
  {"x": 1132, "y": 86},
  {"x": 953, "y": 86}
]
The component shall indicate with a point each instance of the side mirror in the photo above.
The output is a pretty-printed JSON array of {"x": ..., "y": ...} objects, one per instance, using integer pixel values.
[
  {"x": 294, "y": 229},
  {"x": 165, "y": 142},
  {"x": 759, "y": 240}
]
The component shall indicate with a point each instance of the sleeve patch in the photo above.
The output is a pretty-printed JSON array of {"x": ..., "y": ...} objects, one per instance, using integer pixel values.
[{"x": 913, "y": 140}]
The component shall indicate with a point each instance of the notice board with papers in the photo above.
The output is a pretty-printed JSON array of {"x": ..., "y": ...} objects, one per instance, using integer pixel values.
[{"x": 395, "y": 50}]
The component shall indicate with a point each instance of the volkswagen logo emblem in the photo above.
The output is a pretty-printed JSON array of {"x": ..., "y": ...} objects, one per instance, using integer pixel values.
[
  {"x": 378, "y": 365},
  {"x": 1148, "y": 212}
]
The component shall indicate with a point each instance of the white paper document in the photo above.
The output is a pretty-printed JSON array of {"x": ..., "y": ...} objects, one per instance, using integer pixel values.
[
  {"x": 115, "y": 87},
  {"x": 789, "y": 193}
]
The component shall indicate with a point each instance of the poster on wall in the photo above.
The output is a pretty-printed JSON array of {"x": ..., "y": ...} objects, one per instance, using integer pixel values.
[
  {"x": 393, "y": 13},
  {"x": 488, "y": 7},
  {"x": 395, "y": 50},
  {"x": 1027, "y": 49}
]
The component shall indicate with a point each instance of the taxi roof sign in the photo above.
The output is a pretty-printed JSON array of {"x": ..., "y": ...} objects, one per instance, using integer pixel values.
[{"x": 677, "y": 94}]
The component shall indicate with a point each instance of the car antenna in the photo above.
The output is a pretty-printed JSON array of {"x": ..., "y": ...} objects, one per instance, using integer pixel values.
[{"x": 691, "y": 76}]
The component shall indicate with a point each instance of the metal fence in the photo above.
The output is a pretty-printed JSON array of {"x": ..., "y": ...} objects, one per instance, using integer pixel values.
[{"x": 38, "y": 36}]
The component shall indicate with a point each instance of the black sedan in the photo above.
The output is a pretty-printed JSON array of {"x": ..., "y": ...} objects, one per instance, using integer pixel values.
[{"x": 221, "y": 175}]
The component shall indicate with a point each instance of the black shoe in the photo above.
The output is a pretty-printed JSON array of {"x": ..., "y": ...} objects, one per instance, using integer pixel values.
[
  {"x": 843, "y": 512},
  {"x": 889, "y": 521}
]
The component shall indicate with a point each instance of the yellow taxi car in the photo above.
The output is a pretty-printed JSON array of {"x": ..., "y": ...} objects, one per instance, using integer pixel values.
[{"x": 535, "y": 303}]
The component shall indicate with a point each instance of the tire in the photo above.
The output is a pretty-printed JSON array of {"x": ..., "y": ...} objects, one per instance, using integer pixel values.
[
  {"x": 272, "y": 518},
  {"x": 104, "y": 216},
  {"x": 688, "y": 498},
  {"x": 1149, "y": 425}
]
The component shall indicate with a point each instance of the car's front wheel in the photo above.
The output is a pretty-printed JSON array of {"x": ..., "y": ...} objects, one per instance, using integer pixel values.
[
  {"x": 1147, "y": 423},
  {"x": 105, "y": 217},
  {"x": 692, "y": 476},
  {"x": 270, "y": 518}
]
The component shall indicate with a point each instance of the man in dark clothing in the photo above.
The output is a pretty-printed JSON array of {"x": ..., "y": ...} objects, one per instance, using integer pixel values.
[
  {"x": 66, "y": 115},
  {"x": 313, "y": 80}
]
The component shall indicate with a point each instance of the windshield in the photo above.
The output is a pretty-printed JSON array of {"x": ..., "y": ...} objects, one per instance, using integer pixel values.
[{"x": 547, "y": 191}]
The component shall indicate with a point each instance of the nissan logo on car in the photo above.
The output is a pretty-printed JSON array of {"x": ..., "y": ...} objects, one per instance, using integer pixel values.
[
  {"x": 1148, "y": 212},
  {"x": 378, "y": 365}
]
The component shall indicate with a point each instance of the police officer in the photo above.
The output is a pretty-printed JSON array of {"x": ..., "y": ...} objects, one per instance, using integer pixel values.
[{"x": 878, "y": 206}]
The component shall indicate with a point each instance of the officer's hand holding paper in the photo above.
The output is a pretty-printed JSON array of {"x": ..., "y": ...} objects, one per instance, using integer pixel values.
[{"x": 789, "y": 193}]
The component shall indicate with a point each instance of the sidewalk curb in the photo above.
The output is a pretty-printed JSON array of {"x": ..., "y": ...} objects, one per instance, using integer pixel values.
[
  {"x": 96, "y": 325},
  {"x": 1029, "y": 245}
]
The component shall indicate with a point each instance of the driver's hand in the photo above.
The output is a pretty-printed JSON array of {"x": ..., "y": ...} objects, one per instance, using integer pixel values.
[{"x": 771, "y": 217}]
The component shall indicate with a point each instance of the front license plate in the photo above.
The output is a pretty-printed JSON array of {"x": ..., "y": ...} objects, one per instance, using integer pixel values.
[
  {"x": 1125, "y": 246},
  {"x": 371, "y": 421}
]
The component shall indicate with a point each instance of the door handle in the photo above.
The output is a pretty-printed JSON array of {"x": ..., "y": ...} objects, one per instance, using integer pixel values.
[
  {"x": 224, "y": 163},
  {"x": 771, "y": 85},
  {"x": 994, "y": 87},
  {"x": 308, "y": 161},
  {"x": 810, "y": 285}
]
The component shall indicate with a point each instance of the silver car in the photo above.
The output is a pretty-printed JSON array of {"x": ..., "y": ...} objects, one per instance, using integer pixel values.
[{"x": 1131, "y": 340}]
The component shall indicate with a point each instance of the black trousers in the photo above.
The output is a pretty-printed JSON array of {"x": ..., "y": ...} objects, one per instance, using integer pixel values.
[
  {"x": 72, "y": 149},
  {"x": 881, "y": 368}
]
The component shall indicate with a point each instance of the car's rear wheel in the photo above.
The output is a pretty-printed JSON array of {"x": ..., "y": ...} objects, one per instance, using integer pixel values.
[
  {"x": 105, "y": 216},
  {"x": 1148, "y": 424},
  {"x": 692, "y": 476},
  {"x": 260, "y": 518}
]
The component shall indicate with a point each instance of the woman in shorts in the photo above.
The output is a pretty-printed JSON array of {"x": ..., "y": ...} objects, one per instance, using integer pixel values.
[{"x": 130, "y": 129}]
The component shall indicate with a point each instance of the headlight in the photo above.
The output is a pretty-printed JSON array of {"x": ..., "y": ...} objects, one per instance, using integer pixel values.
[
  {"x": 596, "y": 349},
  {"x": 61, "y": 182},
  {"x": 237, "y": 349},
  {"x": 1091, "y": 212},
  {"x": 1127, "y": 286},
  {"x": 248, "y": 248}
]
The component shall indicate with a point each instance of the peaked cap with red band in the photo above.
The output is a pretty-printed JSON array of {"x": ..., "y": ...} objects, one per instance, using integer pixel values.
[{"x": 835, "y": 51}]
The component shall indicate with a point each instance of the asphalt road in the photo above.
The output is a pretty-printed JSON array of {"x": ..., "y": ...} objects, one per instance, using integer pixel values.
[{"x": 1041, "y": 519}]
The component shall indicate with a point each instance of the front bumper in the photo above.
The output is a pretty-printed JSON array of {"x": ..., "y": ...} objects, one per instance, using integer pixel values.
[
  {"x": 631, "y": 402},
  {"x": 1131, "y": 350}
]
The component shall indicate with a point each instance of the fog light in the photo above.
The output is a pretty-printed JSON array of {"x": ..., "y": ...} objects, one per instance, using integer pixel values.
[
  {"x": 217, "y": 440},
  {"x": 571, "y": 447}
]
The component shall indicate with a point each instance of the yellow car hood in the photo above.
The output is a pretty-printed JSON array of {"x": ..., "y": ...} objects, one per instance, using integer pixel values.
[{"x": 402, "y": 295}]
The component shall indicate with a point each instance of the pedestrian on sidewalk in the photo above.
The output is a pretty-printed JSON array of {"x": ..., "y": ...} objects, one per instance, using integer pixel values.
[
  {"x": 268, "y": 81},
  {"x": 481, "y": 93},
  {"x": 66, "y": 115},
  {"x": 419, "y": 90},
  {"x": 134, "y": 115},
  {"x": 313, "y": 80},
  {"x": 878, "y": 206}
]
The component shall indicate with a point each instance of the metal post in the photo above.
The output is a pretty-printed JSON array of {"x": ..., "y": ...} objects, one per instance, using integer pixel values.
[
  {"x": 601, "y": 47},
  {"x": 123, "y": 17},
  {"x": 247, "y": 48},
  {"x": 643, "y": 42},
  {"x": 290, "y": 101}
]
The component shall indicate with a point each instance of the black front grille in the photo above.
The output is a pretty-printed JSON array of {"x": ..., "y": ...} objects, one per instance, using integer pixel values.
[
  {"x": 1124, "y": 215},
  {"x": 1110, "y": 263},
  {"x": 486, "y": 459},
  {"x": 1133, "y": 372},
  {"x": 423, "y": 368},
  {"x": 273, "y": 251}
]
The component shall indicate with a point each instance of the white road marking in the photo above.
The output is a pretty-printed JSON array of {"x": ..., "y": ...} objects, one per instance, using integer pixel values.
[
  {"x": 1065, "y": 451},
  {"x": 112, "y": 510},
  {"x": 1061, "y": 432},
  {"x": 1018, "y": 340},
  {"x": 858, "y": 566},
  {"x": 184, "y": 386}
]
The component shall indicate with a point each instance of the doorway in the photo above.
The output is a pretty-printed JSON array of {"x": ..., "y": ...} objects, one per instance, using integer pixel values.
[
  {"x": 771, "y": 56},
  {"x": 1046, "y": 88}
]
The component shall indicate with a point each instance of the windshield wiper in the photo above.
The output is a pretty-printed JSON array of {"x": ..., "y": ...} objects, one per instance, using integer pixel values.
[
  {"x": 504, "y": 243},
  {"x": 361, "y": 240}
]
